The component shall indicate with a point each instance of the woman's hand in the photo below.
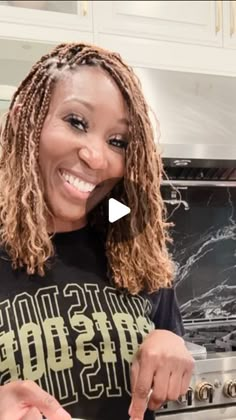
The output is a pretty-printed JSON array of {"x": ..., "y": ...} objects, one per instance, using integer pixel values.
[
  {"x": 162, "y": 364},
  {"x": 25, "y": 400}
]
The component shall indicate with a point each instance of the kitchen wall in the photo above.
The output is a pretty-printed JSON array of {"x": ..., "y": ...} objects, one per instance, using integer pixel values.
[{"x": 204, "y": 250}]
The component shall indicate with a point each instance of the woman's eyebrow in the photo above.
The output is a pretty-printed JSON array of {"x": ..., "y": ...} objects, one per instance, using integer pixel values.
[
  {"x": 79, "y": 100},
  {"x": 91, "y": 107}
]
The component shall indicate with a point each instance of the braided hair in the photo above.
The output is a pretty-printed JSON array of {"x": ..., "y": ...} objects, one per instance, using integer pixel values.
[{"x": 142, "y": 263}]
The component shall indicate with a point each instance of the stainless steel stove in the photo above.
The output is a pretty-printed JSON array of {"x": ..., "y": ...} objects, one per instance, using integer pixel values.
[{"x": 212, "y": 392}]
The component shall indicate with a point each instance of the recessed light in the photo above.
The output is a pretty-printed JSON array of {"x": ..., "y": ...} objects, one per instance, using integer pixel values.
[{"x": 26, "y": 46}]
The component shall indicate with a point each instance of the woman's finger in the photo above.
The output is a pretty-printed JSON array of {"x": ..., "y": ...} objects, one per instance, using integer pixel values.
[
  {"x": 134, "y": 371},
  {"x": 160, "y": 388},
  {"x": 175, "y": 382},
  {"x": 33, "y": 395},
  {"x": 142, "y": 388},
  {"x": 185, "y": 381},
  {"x": 33, "y": 414}
]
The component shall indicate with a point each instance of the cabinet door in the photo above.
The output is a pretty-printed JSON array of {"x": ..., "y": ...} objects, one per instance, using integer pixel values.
[
  {"x": 229, "y": 24},
  {"x": 180, "y": 21},
  {"x": 47, "y": 21}
]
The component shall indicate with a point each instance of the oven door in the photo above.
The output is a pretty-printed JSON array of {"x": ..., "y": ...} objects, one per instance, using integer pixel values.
[{"x": 222, "y": 413}]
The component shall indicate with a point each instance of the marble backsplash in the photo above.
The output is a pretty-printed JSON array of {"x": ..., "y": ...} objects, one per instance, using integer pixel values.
[{"x": 204, "y": 250}]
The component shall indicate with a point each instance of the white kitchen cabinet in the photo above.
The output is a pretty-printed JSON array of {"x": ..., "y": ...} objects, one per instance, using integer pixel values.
[
  {"x": 179, "y": 21},
  {"x": 46, "y": 21},
  {"x": 229, "y": 24},
  {"x": 182, "y": 35},
  {"x": 194, "y": 36}
]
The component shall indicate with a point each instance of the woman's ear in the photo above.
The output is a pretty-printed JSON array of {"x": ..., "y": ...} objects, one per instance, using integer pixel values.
[{"x": 14, "y": 116}]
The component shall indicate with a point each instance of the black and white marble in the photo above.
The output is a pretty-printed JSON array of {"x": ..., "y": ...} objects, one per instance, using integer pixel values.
[{"x": 204, "y": 250}]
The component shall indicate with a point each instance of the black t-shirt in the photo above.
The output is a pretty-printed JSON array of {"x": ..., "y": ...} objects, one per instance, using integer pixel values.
[{"x": 72, "y": 332}]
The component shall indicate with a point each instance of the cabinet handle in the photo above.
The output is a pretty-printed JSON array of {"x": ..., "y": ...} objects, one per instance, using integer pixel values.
[
  {"x": 232, "y": 17},
  {"x": 84, "y": 7},
  {"x": 218, "y": 15}
]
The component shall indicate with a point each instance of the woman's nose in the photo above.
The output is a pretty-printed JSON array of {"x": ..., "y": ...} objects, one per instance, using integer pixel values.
[{"x": 94, "y": 157}]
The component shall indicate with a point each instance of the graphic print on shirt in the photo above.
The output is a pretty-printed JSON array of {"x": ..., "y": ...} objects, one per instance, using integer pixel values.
[{"x": 89, "y": 351}]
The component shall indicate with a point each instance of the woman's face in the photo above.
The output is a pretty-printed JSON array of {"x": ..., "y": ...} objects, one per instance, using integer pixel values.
[{"x": 83, "y": 139}]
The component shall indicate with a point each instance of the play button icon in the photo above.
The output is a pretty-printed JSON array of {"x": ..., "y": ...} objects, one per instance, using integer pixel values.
[
  {"x": 120, "y": 208},
  {"x": 116, "y": 210}
]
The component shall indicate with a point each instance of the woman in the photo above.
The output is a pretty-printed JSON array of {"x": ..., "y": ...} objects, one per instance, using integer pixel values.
[{"x": 80, "y": 306}]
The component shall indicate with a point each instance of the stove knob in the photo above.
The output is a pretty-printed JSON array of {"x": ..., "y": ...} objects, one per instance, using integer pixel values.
[
  {"x": 204, "y": 392},
  {"x": 187, "y": 398},
  {"x": 230, "y": 389}
]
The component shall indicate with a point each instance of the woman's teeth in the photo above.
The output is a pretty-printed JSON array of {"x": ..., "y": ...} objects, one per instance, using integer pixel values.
[{"x": 77, "y": 183}]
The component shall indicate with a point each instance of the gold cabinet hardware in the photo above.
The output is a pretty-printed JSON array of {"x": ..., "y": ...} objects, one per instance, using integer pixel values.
[
  {"x": 218, "y": 15},
  {"x": 84, "y": 7},
  {"x": 232, "y": 17}
]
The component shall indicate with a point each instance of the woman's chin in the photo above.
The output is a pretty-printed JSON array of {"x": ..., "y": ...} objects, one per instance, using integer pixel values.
[{"x": 67, "y": 215}]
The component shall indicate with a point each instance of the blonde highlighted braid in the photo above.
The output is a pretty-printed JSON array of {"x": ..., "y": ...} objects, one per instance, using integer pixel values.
[{"x": 141, "y": 263}]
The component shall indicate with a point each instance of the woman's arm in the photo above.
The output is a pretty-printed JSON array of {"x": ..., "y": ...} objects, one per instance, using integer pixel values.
[{"x": 162, "y": 365}]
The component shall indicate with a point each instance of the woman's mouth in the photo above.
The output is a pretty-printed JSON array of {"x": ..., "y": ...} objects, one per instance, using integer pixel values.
[
  {"x": 76, "y": 188},
  {"x": 76, "y": 182}
]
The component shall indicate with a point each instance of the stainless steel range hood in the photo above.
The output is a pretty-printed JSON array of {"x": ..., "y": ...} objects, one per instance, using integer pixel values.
[
  {"x": 197, "y": 116},
  {"x": 208, "y": 172}
]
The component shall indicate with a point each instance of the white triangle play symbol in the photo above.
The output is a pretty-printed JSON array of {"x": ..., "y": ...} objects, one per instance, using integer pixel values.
[{"x": 116, "y": 210}]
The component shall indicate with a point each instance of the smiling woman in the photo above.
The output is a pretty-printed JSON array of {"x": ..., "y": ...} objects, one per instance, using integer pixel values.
[{"x": 88, "y": 322}]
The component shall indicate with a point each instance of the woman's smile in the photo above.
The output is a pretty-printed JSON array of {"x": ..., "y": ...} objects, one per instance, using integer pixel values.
[{"x": 75, "y": 186}]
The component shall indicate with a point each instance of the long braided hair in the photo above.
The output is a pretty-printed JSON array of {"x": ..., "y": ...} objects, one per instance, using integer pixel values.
[{"x": 141, "y": 263}]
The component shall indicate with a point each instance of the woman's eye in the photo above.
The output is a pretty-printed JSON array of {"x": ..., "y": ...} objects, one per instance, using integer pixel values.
[
  {"x": 122, "y": 144},
  {"x": 78, "y": 123}
]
